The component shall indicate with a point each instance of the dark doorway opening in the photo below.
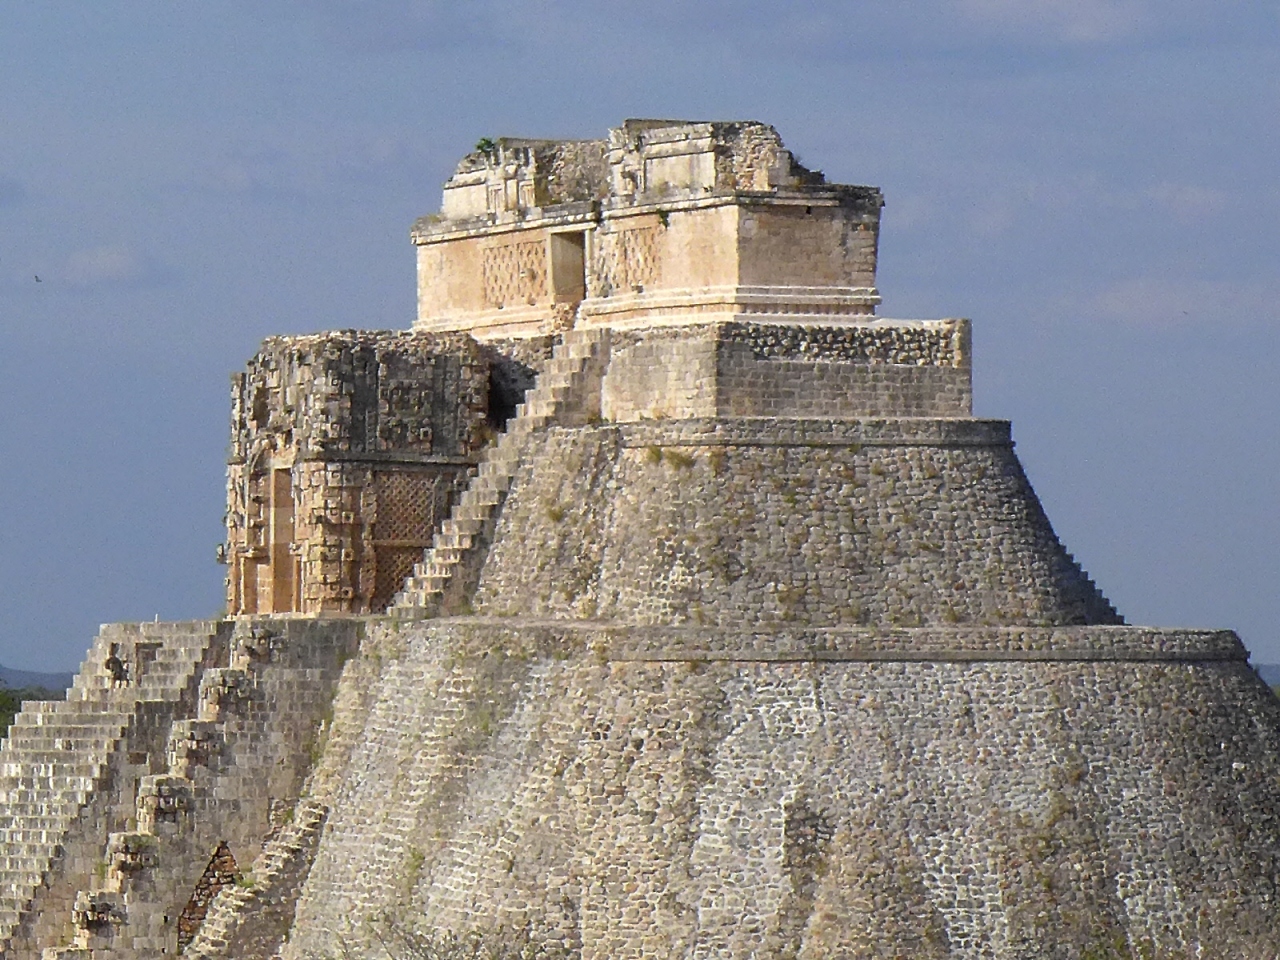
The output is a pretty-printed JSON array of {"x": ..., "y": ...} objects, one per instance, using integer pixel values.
[{"x": 509, "y": 380}]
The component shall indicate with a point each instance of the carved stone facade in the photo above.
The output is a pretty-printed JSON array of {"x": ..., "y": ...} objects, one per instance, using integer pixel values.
[
  {"x": 346, "y": 450},
  {"x": 663, "y": 222}
]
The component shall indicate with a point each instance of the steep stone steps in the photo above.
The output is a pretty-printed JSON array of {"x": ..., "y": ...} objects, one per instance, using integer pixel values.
[
  {"x": 57, "y": 753},
  {"x": 274, "y": 872},
  {"x": 567, "y": 391},
  {"x": 146, "y": 889},
  {"x": 38, "y": 787},
  {"x": 1093, "y": 595},
  {"x": 216, "y": 684}
]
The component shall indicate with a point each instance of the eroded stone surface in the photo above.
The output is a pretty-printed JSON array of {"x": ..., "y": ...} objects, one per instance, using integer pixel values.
[
  {"x": 544, "y": 776},
  {"x": 778, "y": 522}
]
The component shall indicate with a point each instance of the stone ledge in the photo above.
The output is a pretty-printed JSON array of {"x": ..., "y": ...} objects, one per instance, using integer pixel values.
[
  {"x": 844, "y": 306},
  {"x": 1084, "y": 655},
  {"x": 408, "y": 458},
  {"x": 616, "y": 642},
  {"x": 770, "y": 431},
  {"x": 436, "y": 228}
]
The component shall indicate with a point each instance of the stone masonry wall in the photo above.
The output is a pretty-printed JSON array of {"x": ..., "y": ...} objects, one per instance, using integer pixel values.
[
  {"x": 806, "y": 245},
  {"x": 879, "y": 369},
  {"x": 883, "y": 369},
  {"x": 660, "y": 373},
  {"x": 250, "y": 922},
  {"x": 775, "y": 522},
  {"x": 1097, "y": 792}
]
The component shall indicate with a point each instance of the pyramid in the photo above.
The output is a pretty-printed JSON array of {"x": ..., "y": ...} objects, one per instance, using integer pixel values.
[{"x": 651, "y": 598}]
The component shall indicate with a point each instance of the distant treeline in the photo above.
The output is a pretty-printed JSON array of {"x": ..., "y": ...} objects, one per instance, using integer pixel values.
[
  {"x": 1270, "y": 674},
  {"x": 11, "y": 701}
]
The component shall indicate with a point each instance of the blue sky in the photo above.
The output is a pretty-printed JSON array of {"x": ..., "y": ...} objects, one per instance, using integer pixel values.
[{"x": 1093, "y": 182}]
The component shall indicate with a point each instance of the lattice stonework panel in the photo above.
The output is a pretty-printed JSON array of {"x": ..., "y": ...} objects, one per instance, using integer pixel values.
[
  {"x": 406, "y": 506},
  {"x": 515, "y": 273},
  {"x": 406, "y": 516},
  {"x": 221, "y": 871},
  {"x": 635, "y": 258}
]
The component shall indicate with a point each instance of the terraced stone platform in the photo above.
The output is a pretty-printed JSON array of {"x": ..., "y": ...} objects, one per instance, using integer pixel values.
[{"x": 627, "y": 791}]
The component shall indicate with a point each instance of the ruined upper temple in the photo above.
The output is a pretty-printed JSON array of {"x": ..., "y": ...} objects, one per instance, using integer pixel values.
[
  {"x": 664, "y": 222},
  {"x": 651, "y": 598}
]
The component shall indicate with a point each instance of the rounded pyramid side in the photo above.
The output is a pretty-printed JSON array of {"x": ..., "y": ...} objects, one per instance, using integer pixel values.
[
  {"x": 541, "y": 781},
  {"x": 718, "y": 521}
]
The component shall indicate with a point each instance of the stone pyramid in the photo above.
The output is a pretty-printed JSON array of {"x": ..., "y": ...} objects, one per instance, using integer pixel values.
[{"x": 653, "y": 598}]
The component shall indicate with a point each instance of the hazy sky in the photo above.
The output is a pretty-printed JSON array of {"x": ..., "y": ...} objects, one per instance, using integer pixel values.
[{"x": 1094, "y": 182}]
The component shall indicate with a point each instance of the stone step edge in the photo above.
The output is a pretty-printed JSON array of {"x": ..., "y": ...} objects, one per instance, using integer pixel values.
[
  {"x": 565, "y": 375},
  {"x": 227, "y": 909}
]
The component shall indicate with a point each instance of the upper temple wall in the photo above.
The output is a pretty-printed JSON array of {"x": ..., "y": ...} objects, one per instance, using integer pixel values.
[
  {"x": 665, "y": 222},
  {"x": 892, "y": 368}
]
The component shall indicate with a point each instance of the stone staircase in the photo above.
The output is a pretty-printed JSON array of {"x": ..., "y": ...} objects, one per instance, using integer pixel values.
[
  {"x": 277, "y": 876},
  {"x": 118, "y": 914},
  {"x": 58, "y": 754},
  {"x": 225, "y": 761},
  {"x": 567, "y": 392},
  {"x": 1100, "y": 608}
]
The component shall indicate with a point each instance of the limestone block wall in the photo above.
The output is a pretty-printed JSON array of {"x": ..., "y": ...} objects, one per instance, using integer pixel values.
[
  {"x": 742, "y": 369},
  {"x": 657, "y": 262},
  {"x": 660, "y": 373},
  {"x": 447, "y": 275},
  {"x": 698, "y": 261},
  {"x": 889, "y": 368},
  {"x": 251, "y": 922},
  {"x": 942, "y": 792},
  {"x": 232, "y": 770},
  {"x": 775, "y": 521},
  {"x": 810, "y": 244},
  {"x": 508, "y": 270}
]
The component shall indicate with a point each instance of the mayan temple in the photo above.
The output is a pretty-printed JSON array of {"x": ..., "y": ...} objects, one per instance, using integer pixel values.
[{"x": 651, "y": 597}]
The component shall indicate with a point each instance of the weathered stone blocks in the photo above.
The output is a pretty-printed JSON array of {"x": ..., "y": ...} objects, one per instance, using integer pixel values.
[
  {"x": 953, "y": 792},
  {"x": 781, "y": 522}
]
